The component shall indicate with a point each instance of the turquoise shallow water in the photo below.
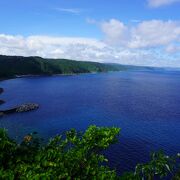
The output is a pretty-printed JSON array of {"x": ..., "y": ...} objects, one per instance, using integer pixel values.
[{"x": 145, "y": 104}]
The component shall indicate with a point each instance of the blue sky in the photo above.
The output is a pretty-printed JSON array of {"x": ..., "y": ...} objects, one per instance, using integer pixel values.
[{"x": 122, "y": 31}]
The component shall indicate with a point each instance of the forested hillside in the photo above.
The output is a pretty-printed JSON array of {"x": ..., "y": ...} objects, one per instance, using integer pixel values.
[{"x": 10, "y": 66}]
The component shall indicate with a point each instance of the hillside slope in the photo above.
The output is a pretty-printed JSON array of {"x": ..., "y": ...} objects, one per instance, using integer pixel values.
[{"x": 10, "y": 66}]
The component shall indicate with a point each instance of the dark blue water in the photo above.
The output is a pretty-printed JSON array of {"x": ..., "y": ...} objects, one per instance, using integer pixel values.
[{"x": 146, "y": 105}]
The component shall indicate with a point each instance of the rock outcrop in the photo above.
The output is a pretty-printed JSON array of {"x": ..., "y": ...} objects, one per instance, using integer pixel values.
[
  {"x": 1, "y": 90},
  {"x": 27, "y": 107},
  {"x": 2, "y": 102},
  {"x": 20, "y": 109}
]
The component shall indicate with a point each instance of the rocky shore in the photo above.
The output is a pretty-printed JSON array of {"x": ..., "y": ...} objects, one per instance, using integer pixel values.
[{"x": 19, "y": 109}]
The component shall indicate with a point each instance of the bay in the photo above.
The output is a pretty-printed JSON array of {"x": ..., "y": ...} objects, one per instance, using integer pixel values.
[{"x": 144, "y": 104}]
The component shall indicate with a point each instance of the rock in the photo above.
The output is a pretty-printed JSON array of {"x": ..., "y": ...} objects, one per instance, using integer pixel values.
[
  {"x": 1, "y": 113},
  {"x": 21, "y": 108},
  {"x": 9, "y": 111},
  {"x": 2, "y": 102},
  {"x": 1, "y": 90},
  {"x": 27, "y": 107}
]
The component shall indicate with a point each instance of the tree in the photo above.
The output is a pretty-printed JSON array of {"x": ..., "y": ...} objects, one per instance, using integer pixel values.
[{"x": 75, "y": 156}]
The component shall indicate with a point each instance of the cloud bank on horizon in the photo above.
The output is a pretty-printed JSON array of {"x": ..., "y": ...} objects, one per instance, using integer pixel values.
[{"x": 152, "y": 42}]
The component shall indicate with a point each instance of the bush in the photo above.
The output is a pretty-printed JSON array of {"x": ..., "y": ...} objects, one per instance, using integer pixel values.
[{"x": 75, "y": 156}]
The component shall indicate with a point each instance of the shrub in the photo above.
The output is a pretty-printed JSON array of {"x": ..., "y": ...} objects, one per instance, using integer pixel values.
[{"x": 75, "y": 156}]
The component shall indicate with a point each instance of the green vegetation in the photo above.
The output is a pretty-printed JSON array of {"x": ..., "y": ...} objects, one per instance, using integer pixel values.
[
  {"x": 10, "y": 66},
  {"x": 75, "y": 156}
]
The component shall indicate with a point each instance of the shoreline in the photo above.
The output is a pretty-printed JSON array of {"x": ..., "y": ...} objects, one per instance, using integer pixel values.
[
  {"x": 51, "y": 75},
  {"x": 40, "y": 75}
]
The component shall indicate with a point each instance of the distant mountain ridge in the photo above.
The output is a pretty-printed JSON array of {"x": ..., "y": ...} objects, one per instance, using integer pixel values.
[{"x": 12, "y": 66}]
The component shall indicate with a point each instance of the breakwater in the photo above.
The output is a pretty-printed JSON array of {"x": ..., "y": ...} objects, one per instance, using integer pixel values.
[{"x": 22, "y": 108}]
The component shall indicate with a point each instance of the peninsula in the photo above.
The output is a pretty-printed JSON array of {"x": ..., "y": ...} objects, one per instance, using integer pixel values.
[{"x": 14, "y": 66}]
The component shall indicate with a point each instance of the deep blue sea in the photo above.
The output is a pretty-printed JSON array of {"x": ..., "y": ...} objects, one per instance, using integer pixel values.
[{"x": 144, "y": 104}]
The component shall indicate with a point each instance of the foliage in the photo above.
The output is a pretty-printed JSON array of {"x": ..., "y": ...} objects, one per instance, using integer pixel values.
[
  {"x": 75, "y": 156},
  {"x": 11, "y": 66},
  {"x": 160, "y": 166}
]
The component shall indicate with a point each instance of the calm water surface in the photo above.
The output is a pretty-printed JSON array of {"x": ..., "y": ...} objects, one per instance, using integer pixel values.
[{"x": 144, "y": 104}]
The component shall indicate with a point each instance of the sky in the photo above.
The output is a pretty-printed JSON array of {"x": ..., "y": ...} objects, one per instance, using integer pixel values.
[{"x": 134, "y": 32}]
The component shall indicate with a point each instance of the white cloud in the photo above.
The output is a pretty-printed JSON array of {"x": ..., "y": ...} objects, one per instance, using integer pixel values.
[
  {"x": 56, "y": 41},
  {"x": 69, "y": 10},
  {"x": 146, "y": 34},
  {"x": 52, "y": 47},
  {"x": 154, "y": 33},
  {"x": 173, "y": 48},
  {"x": 91, "y": 21},
  {"x": 115, "y": 31},
  {"x": 135, "y": 20},
  {"x": 152, "y": 43},
  {"x": 158, "y": 3}
]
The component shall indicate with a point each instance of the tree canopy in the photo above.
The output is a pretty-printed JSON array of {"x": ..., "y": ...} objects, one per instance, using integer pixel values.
[{"x": 73, "y": 156}]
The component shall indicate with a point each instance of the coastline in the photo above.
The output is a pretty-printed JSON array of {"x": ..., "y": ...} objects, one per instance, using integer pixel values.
[
  {"x": 12, "y": 110},
  {"x": 49, "y": 75}
]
